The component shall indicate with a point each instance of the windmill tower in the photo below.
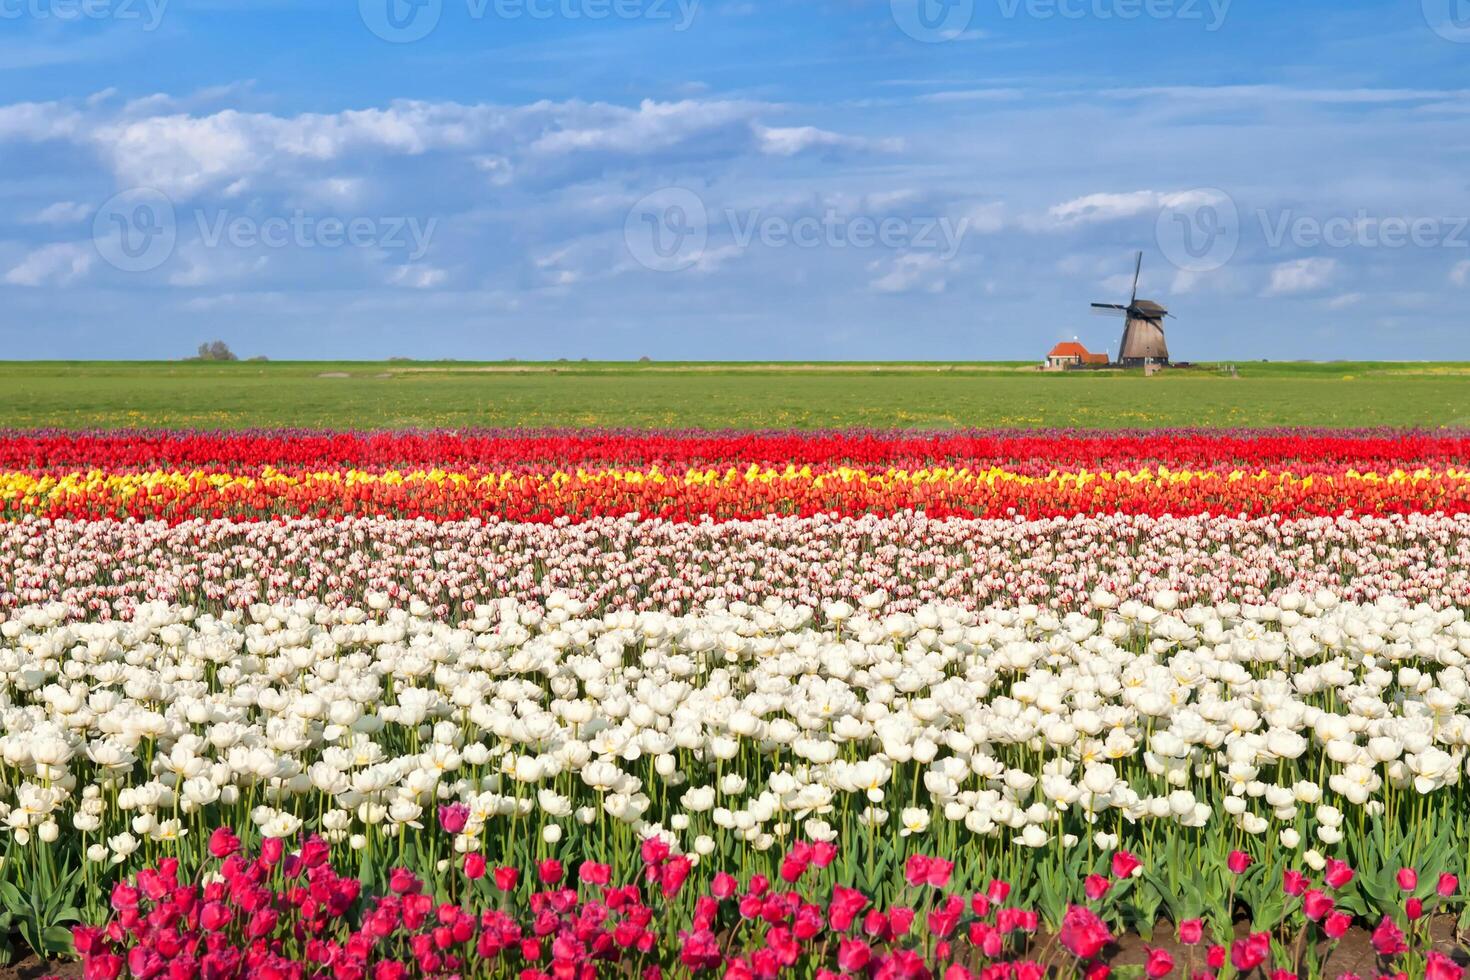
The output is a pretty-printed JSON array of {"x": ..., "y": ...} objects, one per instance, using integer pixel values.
[{"x": 1143, "y": 327}]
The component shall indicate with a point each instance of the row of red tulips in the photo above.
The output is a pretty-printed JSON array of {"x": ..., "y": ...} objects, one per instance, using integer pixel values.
[
  {"x": 1026, "y": 452},
  {"x": 284, "y": 916}
]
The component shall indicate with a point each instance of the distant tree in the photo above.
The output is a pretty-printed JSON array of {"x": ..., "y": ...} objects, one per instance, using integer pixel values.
[
  {"x": 260, "y": 357},
  {"x": 645, "y": 359},
  {"x": 215, "y": 350}
]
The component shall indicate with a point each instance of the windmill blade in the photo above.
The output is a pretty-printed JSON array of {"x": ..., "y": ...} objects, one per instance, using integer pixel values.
[
  {"x": 1137, "y": 271},
  {"x": 1108, "y": 306}
]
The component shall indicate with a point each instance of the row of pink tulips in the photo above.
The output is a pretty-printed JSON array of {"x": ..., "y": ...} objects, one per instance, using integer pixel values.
[{"x": 104, "y": 569}]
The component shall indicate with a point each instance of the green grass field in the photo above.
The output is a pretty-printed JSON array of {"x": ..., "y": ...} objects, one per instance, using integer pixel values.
[{"x": 580, "y": 394}]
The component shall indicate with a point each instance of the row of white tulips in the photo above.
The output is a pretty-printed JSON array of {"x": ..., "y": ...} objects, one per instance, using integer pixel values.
[{"x": 1005, "y": 729}]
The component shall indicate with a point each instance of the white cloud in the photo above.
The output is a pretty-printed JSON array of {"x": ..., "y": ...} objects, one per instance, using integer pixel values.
[
  {"x": 197, "y": 265},
  {"x": 1276, "y": 94},
  {"x": 37, "y": 121},
  {"x": 913, "y": 272},
  {"x": 975, "y": 95},
  {"x": 1345, "y": 301},
  {"x": 1460, "y": 274},
  {"x": 1301, "y": 276},
  {"x": 791, "y": 140},
  {"x": 986, "y": 219},
  {"x": 57, "y": 265},
  {"x": 61, "y": 213},
  {"x": 156, "y": 143},
  {"x": 418, "y": 277},
  {"x": 1094, "y": 208},
  {"x": 335, "y": 191}
]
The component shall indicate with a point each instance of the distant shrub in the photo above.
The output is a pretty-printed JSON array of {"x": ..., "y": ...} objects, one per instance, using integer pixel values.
[{"x": 215, "y": 350}]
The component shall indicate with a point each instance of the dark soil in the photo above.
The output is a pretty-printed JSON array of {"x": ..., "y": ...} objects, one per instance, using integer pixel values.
[
  {"x": 1352, "y": 954},
  {"x": 32, "y": 968}
]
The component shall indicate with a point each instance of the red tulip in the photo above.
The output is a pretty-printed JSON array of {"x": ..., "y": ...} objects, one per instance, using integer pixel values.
[
  {"x": 223, "y": 843},
  {"x": 402, "y": 881},
  {"x": 1124, "y": 864},
  {"x": 1388, "y": 939},
  {"x": 853, "y": 955},
  {"x": 453, "y": 817},
  {"x": 1158, "y": 963},
  {"x": 1440, "y": 967},
  {"x": 1249, "y": 953},
  {"x": 1083, "y": 933},
  {"x": 1316, "y": 904},
  {"x": 1338, "y": 874},
  {"x": 549, "y": 871}
]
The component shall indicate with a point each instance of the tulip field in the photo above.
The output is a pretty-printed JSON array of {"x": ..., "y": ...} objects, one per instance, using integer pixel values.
[{"x": 828, "y": 705}]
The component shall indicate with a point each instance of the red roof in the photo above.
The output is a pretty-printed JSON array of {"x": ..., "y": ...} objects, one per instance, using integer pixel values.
[{"x": 1071, "y": 348}]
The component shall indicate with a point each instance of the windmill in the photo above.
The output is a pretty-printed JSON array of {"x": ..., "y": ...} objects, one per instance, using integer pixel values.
[{"x": 1143, "y": 327}]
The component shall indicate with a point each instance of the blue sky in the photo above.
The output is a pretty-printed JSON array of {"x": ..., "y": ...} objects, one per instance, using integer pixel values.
[{"x": 792, "y": 179}]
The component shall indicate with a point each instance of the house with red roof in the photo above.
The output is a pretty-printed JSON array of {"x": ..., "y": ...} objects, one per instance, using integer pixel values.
[{"x": 1071, "y": 354}]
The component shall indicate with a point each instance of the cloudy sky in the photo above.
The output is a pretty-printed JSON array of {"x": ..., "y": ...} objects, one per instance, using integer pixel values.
[{"x": 732, "y": 179}]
